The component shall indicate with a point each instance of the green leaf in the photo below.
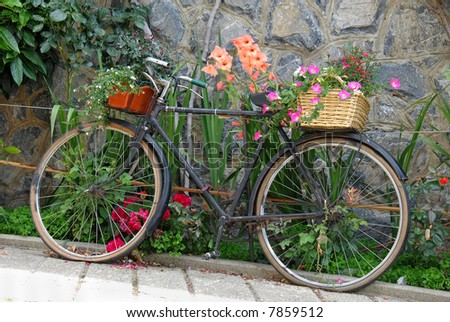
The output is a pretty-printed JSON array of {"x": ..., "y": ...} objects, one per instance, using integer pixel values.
[
  {"x": 24, "y": 16},
  {"x": 45, "y": 47},
  {"x": 58, "y": 15},
  {"x": 29, "y": 71},
  {"x": 29, "y": 39},
  {"x": 7, "y": 38},
  {"x": 38, "y": 27},
  {"x": 11, "y": 149},
  {"x": 36, "y": 60},
  {"x": 11, "y": 3},
  {"x": 53, "y": 116},
  {"x": 17, "y": 70}
]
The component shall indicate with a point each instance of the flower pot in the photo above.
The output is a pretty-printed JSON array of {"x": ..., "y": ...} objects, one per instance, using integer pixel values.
[
  {"x": 120, "y": 100},
  {"x": 140, "y": 102},
  {"x": 133, "y": 103}
]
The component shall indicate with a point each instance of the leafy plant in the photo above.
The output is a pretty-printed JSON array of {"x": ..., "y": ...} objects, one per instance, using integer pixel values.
[
  {"x": 20, "y": 57},
  {"x": 430, "y": 193},
  {"x": 107, "y": 83},
  {"x": 17, "y": 222},
  {"x": 9, "y": 149}
]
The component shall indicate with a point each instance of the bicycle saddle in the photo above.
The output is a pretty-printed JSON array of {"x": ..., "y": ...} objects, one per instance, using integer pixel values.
[{"x": 259, "y": 99}]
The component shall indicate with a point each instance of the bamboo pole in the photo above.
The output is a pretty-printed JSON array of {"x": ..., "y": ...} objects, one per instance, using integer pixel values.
[{"x": 222, "y": 194}]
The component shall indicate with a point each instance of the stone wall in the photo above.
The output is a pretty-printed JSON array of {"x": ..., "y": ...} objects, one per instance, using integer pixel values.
[
  {"x": 28, "y": 129},
  {"x": 410, "y": 37}
]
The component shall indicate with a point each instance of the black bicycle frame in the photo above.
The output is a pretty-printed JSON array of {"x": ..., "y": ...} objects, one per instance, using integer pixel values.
[{"x": 224, "y": 217}]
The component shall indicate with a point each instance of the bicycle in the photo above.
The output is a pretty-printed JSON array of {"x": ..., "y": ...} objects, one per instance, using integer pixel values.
[{"x": 330, "y": 210}]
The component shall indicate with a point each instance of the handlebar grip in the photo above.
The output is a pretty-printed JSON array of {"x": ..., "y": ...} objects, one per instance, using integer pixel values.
[
  {"x": 157, "y": 61},
  {"x": 199, "y": 83}
]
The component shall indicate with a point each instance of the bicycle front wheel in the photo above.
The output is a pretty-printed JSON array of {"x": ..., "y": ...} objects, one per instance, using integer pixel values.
[
  {"x": 351, "y": 214},
  {"x": 94, "y": 196}
]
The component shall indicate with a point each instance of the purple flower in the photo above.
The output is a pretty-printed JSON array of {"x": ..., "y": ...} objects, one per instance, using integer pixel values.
[
  {"x": 295, "y": 116},
  {"x": 272, "y": 96},
  {"x": 354, "y": 86},
  {"x": 316, "y": 88},
  {"x": 343, "y": 95},
  {"x": 395, "y": 83},
  {"x": 315, "y": 100},
  {"x": 300, "y": 71},
  {"x": 313, "y": 69}
]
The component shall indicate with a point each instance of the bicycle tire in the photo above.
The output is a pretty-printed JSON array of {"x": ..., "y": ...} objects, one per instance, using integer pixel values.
[
  {"x": 79, "y": 214},
  {"x": 360, "y": 216}
]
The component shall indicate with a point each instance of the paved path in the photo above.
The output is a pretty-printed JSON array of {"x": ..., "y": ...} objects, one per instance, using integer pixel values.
[{"x": 30, "y": 274}]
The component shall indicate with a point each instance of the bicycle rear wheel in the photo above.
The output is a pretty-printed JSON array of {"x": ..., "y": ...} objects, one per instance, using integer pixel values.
[
  {"x": 357, "y": 220},
  {"x": 89, "y": 200}
]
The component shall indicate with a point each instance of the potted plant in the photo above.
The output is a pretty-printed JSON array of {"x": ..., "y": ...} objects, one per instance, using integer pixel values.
[
  {"x": 332, "y": 97},
  {"x": 117, "y": 88}
]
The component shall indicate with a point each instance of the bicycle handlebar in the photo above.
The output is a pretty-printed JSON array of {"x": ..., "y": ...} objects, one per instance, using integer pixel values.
[
  {"x": 194, "y": 81},
  {"x": 186, "y": 78}
]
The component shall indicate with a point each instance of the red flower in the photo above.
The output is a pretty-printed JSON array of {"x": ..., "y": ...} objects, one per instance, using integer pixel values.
[
  {"x": 181, "y": 198},
  {"x": 114, "y": 244},
  {"x": 119, "y": 214},
  {"x": 166, "y": 215},
  {"x": 443, "y": 181}
]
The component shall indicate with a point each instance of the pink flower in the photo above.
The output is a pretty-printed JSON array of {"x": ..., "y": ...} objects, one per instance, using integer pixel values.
[
  {"x": 300, "y": 71},
  {"x": 114, "y": 244},
  {"x": 298, "y": 84},
  {"x": 354, "y": 86},
  {"x": 265, "y": 108},
  {"x": 315, "y": 100},
  {"x": 272, "y": 96},
  {"x": 316, "y": 88},
  {"x": 345, "y": 64},
  {"x": 143, "y": 214},
  {"x": 395, "y": 83},
  {"x": 295, "y": 116},
  {"x": 313, "y": 69},
  {"x": 257, "y": 135},
  {"x": 343, "y": 95},
  {"x": 182, "y": 199}
]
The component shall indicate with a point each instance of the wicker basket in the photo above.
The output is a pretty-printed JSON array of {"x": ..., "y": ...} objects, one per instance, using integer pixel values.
[{"x": 350, "y": 114}]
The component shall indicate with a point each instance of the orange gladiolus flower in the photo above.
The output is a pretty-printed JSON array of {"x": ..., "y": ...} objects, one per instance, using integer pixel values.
[
  {"x": 243, "y": 41},
  {"x": 247, "y": 65},
  {"x": 255, "y": 75},
  {"x": 219, "y": 54},
  {"x": 234, "y": 123},
  {"x": 240, "y": 135},
  {"x": 221, "y": 86},
  {"x": 225, "y": 64},
  {"x": 252, "y": 88},
  {"x": 210, "y": 69},
  {"x": 230, "y": 77}
]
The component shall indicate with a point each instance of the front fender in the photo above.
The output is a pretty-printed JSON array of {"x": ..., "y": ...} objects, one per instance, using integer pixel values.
[{"x": 350, "y": 136}]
